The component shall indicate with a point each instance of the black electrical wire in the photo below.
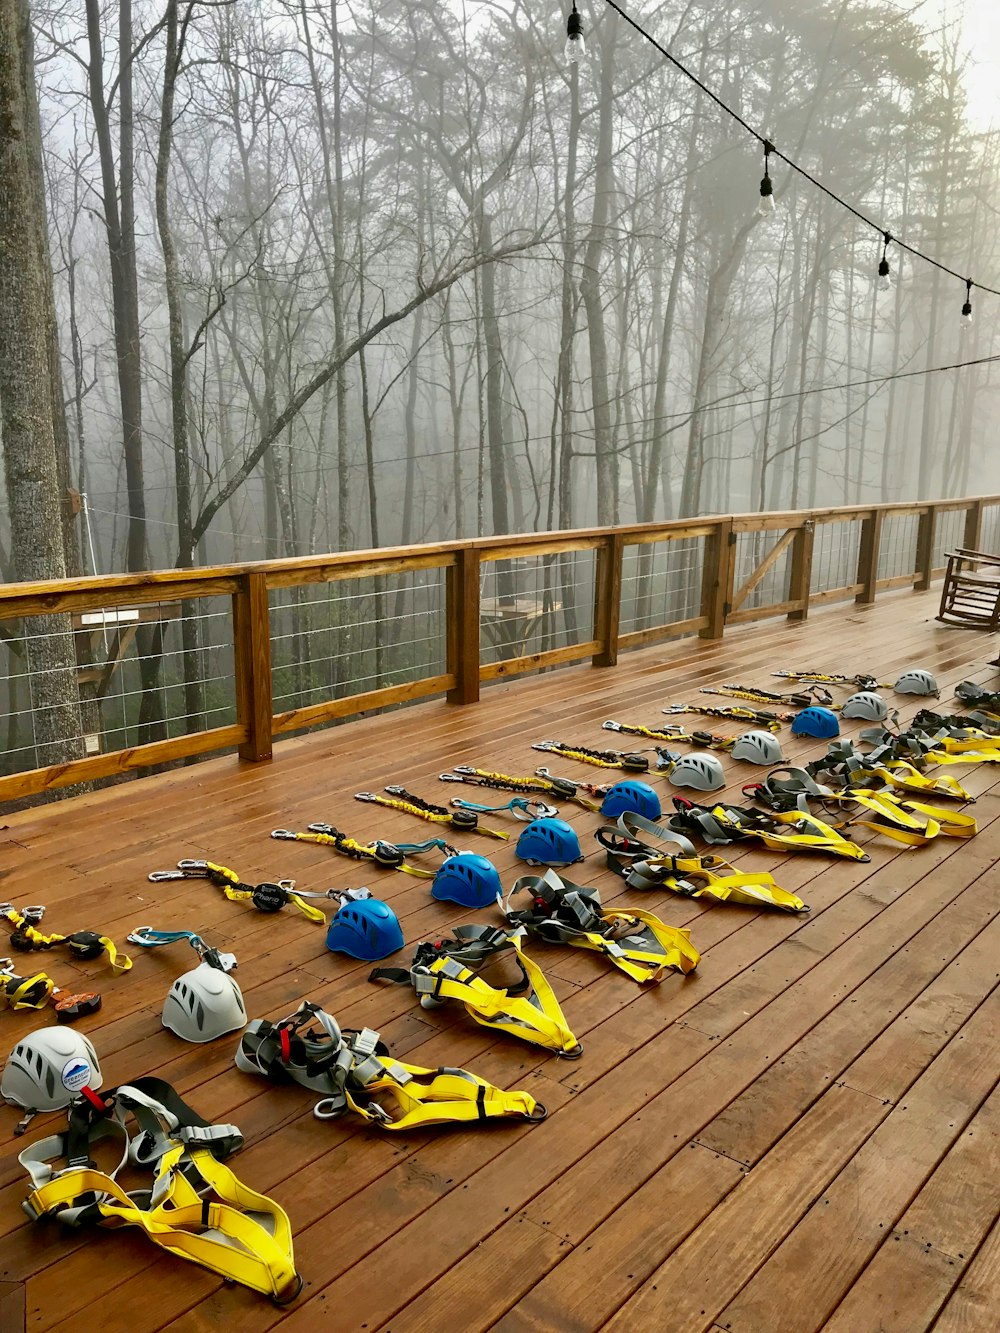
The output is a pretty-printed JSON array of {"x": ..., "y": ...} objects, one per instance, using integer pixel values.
[{"x": 776, "y": 152}]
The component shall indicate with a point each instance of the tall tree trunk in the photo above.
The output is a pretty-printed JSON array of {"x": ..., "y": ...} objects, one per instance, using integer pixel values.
[
  {"x": 590, "y": 287},
  {"x": 26, "y": 394}
]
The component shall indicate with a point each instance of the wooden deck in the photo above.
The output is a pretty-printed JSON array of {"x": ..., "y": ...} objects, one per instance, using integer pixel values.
[{"x": 801, "y": 1135}]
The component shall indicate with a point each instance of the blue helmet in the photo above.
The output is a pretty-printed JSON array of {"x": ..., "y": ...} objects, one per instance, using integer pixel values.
[
  {"x": 631, "y": 798},
  {"x": 368, "y": 929},
  {"x": 549, "y": 842},
  {"x": 818, "y": 722},
  {"x": 467, "y": 879}
]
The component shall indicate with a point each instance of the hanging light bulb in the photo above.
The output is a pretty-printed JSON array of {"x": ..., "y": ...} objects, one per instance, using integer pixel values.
[
  {"x": 575, "y": 45},
  {"x": 884, "y": 276},
  {"x": 966, "y": 323},
  {"x": 767, "y": 204}
]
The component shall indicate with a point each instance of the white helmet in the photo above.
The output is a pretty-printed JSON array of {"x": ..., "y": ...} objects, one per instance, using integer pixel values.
[
  {"x": 204, "y": 1004},
  {"x": 917, "y": 681},
  {"x": 702, "y": 771},
  {"x": 867, "y": 705},
  {"x": 47, "y": 1069},
  {"x": 758, "y": 747}
]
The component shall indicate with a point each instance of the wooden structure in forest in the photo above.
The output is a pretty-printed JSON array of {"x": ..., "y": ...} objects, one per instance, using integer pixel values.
[
  {"x": 801, "y": 1135},
  {"x": 748, "y": 567}
]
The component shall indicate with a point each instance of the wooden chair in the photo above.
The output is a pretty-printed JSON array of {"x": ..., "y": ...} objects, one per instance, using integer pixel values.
[{"x": 971, "y": 592}]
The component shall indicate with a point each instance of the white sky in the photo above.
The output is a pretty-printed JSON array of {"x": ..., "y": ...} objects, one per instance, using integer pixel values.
[{"x": 980, "y": 24}]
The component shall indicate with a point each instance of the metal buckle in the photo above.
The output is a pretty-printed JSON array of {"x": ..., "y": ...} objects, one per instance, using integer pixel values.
[
  {"x": 159, "y": 876},
  {"x": 395, "y": 790},
  {"x": 363, "y": 796},
  {"x": 328, "y": 829},
  {"x": 450, "y": 777},
  {"x": 33, "y": 914},
  {"x": 611, "y": 726}
]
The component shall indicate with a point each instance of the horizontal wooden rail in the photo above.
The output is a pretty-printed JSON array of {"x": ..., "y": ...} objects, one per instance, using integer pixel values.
[{"x": 698, "y": 592}]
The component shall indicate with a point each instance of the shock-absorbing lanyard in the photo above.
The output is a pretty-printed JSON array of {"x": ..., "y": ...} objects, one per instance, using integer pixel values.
[
  {"x": 82, "y": 944},
  {"x": 806, "y": 699},
  {"x": 265, "y": 897},
  {"x": 631, "y": 763},
  {"x": 543, "y": 781},
  {"x": 398, "y": 798},
  {"x": 859, "y": 682},
  {"x": 734, "y": 713},
  {"x": 707, "y": 740},
  {"x": 390, "y": 855}
]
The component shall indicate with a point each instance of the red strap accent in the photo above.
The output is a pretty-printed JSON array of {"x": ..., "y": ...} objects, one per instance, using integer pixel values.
[
  {"x": 286, "y": 1045},
  {"x": 98, "y": 1103}
]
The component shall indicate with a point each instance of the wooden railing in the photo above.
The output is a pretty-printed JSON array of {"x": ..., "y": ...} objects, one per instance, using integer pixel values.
[{"x": 641, "y": 583}]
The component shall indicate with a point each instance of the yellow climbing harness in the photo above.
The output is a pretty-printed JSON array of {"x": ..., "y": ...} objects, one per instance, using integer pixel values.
[
  {"x": 527, "y": 1008},
  {"x": 638, "y": 943}
]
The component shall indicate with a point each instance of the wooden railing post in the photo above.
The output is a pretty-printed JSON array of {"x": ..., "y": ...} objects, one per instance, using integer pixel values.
[
  {"x": 252, "y": 664},
  {"x": 717, "y": 577},
  {"x": 608, "y": 599},
  {"x": 924, "y": 558},
  {"x": 800, "y": 576},
  {"x": 973, "y": 533},
  {"x": 463, "y": 626},
  {"x": 868, "y": 548}
]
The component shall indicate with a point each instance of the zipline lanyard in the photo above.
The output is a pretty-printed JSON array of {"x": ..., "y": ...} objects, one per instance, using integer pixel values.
[
  {"x": 82, "y": 944},
  {"x": 631, "y": 763},
  {"x": 771, "y": 721},
  {"x": 806, "y": 699},
  {"x": 707, "y": 740},
  {"x": 390, "y": 855},
  {"x": 265, "y": 897},
  {"x": 466, "y": 821},
  {"x": 859, "y": 682},
  {"x": 563, "y": 788}
]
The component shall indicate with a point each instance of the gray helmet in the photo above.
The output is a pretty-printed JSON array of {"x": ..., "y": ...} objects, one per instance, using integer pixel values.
[
  {"x": 48, "y": 1069},
  {"x": 204, "y": 1004},
  {"x": 917, "y": 681},
  {"x": 758, "y": 747},
  {"x": 867, "y": 705},
  {"x": 702, "y": 771}
]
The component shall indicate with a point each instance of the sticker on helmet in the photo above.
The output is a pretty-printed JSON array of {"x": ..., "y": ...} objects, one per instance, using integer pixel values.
[{"x": 75, "y": 1075}]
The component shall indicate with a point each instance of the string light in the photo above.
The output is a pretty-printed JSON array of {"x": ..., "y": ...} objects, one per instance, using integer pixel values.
[
  {"x": 767, "y": 202},
  {"x": 884, "y": 278},
  {"x": 576, "y": 47},
  {"x": 767, "y": 205}
]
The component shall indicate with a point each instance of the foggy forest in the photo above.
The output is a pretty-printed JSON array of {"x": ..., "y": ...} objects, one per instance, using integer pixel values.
[{"x": 326, "y": 276}]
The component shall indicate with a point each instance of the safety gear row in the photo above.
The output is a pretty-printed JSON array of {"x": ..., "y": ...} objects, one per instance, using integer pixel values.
[
  {"x": 561, "y": 912},
  {"x": 197, "y": 1209},
  {"x": 501, "y": 988},
  {"x": 354, "y": 1072}
]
